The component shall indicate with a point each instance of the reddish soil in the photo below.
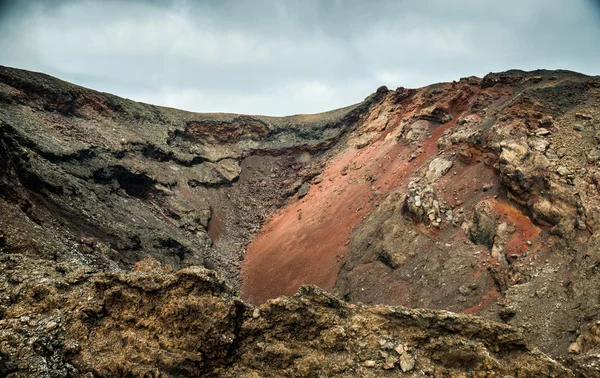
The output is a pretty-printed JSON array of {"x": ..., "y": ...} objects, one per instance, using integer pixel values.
[
  {"x": 488, "y": 298},
  {"x": 525, "y": 230},
  {"x": 306, "y": 241}
]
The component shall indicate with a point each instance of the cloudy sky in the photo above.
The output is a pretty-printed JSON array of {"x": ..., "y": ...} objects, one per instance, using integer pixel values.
[{"x": 283, "y": 57}]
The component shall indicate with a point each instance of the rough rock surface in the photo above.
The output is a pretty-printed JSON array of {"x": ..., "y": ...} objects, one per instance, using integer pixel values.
[
  {"x": 478, "y": 196},
  {"x": 104, "y": 180},
  {"x": 63, "y": 320},
  {"x": 491, "y": 211}
]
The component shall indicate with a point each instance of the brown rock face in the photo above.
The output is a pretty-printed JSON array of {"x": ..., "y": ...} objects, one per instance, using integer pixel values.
[
  {"x": 478, "y": 196},
  {"x": 60, "y": 320}
]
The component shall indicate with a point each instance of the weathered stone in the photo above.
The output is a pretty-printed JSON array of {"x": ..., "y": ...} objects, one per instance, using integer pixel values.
[
  {"x": 437, "y": 168},
  {"x": 407, "y": 362},
  {"x": 435, "y": 113},
  {"x": 417, "y": 131},
  {"x": 483, "y": 230},
  {"x": 303, "y": 190}
]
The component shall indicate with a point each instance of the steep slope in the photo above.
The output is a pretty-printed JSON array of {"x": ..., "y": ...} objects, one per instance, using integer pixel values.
[
  {"x": 105, "y": 180},
  {"x": 478, "y": 196}
]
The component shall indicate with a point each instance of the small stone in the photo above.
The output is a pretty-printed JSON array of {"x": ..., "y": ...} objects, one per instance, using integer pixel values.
[
  {"x": 390, "y": 362},
  {"x": 437, "y": 168},
  {"x": 563, "y": 171},
  {"x": 583, "y": 116},
  {"x": 303, "y": 191},
  {"x": 507, "y": 313},
  {"x": 418, "y": 201},
  {"x": 369, "y": 363},
  {"x": 546, "y": 121},
  {"x": 256, "y": 313},
  {"x": 542, "y": 132},
  {"x": 464, "y": 290},
  {"x": 407, "y": 363},
  {"x": 400, "y": 349},
  {"x": 539, "y": 144},
  {"x": 593, "y": 156},
  {"x": 536, "y": 79},
  {"x": 574, "y": 348}
]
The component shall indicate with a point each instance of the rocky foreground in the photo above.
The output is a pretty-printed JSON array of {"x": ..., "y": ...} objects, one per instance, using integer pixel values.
[
  {"x": 127, "y": 230},
  {"x": 62, "y": 320}
]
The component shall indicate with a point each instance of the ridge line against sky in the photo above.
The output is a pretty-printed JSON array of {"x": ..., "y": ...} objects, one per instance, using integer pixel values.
[{"x": 288, "y": 57}]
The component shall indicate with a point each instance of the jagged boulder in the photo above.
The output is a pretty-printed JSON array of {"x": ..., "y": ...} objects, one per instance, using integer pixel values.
[{"x": 435, "y": 113}]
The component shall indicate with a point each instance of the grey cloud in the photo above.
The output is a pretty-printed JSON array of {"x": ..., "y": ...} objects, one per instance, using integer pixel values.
[{"x": 283, "y": 57}]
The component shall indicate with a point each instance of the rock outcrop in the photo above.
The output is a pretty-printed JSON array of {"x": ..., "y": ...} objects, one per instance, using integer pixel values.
[
  {"x": 127, "y": 229},
  {"x": 105, "y": 180},
  {"x": 63, "y": 320},
  {"x": 491, "y": 210}
]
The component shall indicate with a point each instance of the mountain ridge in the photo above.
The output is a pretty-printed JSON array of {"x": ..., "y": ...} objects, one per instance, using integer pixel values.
[{"x": 477, "y": 196}]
